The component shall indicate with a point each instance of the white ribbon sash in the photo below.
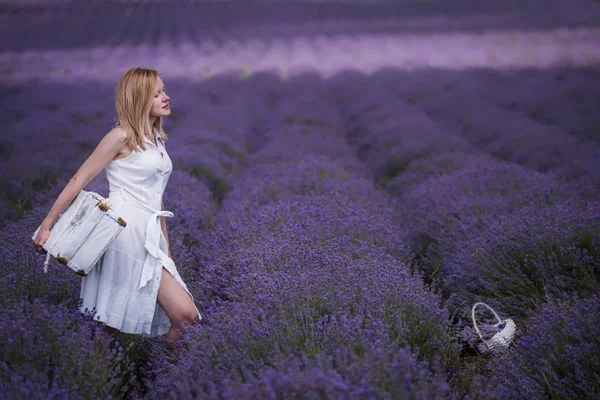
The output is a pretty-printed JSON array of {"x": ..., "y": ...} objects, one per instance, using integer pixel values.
[{"x": 154, "y": 235}]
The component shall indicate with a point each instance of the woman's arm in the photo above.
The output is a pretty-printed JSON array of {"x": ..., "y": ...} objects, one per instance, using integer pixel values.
[
  {"x": 111, "y": 145},
  {"x": 163, "y": 225}
]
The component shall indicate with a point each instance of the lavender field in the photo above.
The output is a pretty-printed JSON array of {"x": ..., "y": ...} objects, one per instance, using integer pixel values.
[{"x": 349, "y": 179}]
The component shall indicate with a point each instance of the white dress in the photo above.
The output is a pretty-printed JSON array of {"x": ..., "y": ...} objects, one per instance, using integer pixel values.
[{"x": 122, "y": 288}]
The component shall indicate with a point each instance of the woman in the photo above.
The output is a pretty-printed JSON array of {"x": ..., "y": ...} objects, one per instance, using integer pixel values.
[{"x": 135, "y": 287}]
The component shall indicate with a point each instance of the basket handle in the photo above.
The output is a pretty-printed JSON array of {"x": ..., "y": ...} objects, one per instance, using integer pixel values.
[{"x": 474, "y": 320}]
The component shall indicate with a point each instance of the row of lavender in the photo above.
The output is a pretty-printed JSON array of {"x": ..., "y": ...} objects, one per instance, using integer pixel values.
[
  {"x": 215, "y": 22},
  {"x": 485, "y": 222}
]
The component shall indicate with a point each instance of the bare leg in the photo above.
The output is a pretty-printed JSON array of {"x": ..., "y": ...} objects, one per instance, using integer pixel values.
[{"x": 177, "y": 303}]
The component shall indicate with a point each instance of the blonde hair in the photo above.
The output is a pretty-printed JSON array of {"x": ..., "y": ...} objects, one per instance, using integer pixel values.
[{"x": 133, "y": 100}]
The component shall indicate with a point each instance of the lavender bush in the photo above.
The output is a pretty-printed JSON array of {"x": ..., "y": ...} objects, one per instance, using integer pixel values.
[
  {"x": 536, "y": 253},
  {"x": 557, "y": 357},
  {"x": 511, "y": 136},
  {"x": 51, "y": 351}
]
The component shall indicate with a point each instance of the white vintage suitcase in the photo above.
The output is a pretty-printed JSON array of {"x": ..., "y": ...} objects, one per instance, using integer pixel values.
[{"x": 82, "y": 232}]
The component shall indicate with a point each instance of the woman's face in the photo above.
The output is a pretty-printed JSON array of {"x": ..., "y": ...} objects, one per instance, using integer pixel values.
[{"x": 160, "y": 102}]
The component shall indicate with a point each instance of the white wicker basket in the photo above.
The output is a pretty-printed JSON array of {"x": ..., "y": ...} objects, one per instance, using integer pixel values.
[{"x": 502, "y": 339}]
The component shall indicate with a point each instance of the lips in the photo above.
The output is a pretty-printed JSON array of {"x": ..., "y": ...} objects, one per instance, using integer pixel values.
[{"x": 166, "y": 106}]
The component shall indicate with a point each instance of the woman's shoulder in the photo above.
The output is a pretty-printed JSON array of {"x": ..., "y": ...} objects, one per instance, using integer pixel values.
[
  {"x": 116, "y": 137},
  {"x": 117, "y": 133},
  {"x": 114, "y": 140}
]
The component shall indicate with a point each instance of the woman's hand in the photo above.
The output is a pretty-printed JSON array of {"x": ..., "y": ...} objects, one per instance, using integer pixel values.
[{"x": 41, "y": 238}]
